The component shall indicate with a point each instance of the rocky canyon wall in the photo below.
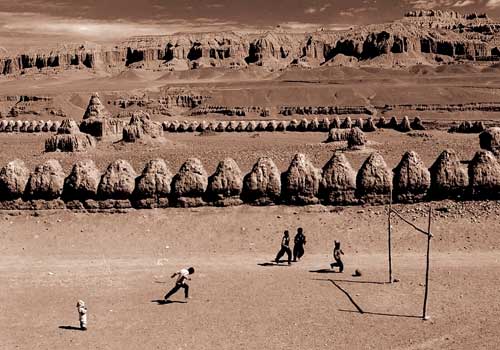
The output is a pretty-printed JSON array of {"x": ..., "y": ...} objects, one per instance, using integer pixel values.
[{"x": 469, "y": 37}]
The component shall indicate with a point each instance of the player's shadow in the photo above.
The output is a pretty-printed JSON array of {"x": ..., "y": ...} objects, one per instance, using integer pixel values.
[
  {"x": 71, "y": 328},
  {"x": 167, "y": 302},
  {"x": 273, "y": 263},
  {"x": 361, "y": 282},
  {"x": 324, "y": 271}
]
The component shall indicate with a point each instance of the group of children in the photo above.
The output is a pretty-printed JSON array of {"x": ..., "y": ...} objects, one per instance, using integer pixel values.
[
  {"x": 298, "y": 249},
  {"x": 183, "y": 274}
]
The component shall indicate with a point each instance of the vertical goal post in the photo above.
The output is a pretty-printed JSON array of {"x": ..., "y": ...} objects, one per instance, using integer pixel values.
[{"x": 427, "y": 232}]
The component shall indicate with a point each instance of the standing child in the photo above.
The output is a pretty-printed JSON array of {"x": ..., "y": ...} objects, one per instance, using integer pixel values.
[
  {"x": 337, "y": 252},
  {"x": 183, "y": 276},
  {"x": 298, "y": 244},
  {"x": 82, "y": 314},
  {"x": 285, "y": 248}
]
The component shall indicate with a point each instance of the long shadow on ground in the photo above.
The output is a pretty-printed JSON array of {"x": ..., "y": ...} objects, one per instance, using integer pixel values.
[
  {"x": 273, "y": 263},
  {"x": 358, "y": 308},
  {"x": 324, "y": 271},
  {"x": 71, "y": 328},
  {"x": 381, "y": 314},
  {"x": 349, "y": 281},
  {"x": 166, "y": 302}
]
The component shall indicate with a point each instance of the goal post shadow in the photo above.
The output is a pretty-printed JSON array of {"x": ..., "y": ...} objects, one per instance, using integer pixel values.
[{"x": 427, "y": 232}]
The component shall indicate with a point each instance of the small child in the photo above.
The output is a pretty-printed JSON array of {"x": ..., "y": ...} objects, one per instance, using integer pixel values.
[
  {"x": 183, "y": 276},
  {"x": 337, "y": 252},
  {"x": 82, "y": 313}
]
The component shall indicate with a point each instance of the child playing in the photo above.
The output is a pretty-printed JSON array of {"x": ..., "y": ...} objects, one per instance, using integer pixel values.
[
  {"x": 337, "y": 252},
  {"x": 183, "y": 276},
  {"x": 285, "y": 248},
  {"x": 299, "y": 243},
  {"x": 82, "y": 314}
]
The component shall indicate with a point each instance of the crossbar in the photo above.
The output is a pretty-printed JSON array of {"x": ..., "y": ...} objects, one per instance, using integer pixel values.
[{"x": 410, "y": 223}]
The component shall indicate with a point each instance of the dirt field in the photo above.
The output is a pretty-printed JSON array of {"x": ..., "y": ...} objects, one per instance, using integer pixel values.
[{"x": 120, "y": 264}]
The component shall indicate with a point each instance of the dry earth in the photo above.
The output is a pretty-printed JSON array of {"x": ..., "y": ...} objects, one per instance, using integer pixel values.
[{"x": 120, "y": 264}]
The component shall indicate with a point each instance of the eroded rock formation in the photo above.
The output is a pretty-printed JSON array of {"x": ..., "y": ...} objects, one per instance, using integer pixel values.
[
  {"x": 118, "y": 181},
  {"x": 300, "y": 183},
  {"x": 152, "y": 187},
  {"x": 69, "y": 138},
  {"x": 484, "y": 176},
  {"x": 490, "y": 140},
  {"x": 374, "y": 180},
  {"x": 449, "y": 179},
  {"x": 356, "y": 139},
  {"x": 338, "y": 184},
  {"x": 426, "y": 36},
  {"x": 411, "y": 179},
  {"x": 13, "y": 179},
  {"x": 225, "y": 185},
  {"x": 262, "y": 186},
  {"x": 142, "y": 128},
  {"x": 189, "y": 184},
  {"x": 95, "y": 108},
  {"x": 82, "y": 182},
  {"x": 46, "y": 181}
]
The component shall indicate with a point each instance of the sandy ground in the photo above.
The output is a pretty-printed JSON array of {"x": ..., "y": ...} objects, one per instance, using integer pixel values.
[{"x": 120, "y": 264}]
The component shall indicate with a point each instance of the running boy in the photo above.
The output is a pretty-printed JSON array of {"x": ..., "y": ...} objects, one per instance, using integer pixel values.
[
  {"x": 182, "y": 277},
  {"x": 285, "y": 248}
]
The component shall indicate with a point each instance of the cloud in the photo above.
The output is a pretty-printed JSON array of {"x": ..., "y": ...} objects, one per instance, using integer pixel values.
[
  {"x": 34, "y": 23},
  {"x": 324, "y": 7},
  {"x": 492, "y": 4},
  {"x": 464, "y": 3},
  {"x": 350, "y": 12},
  {"x": 431, "y": 4},
  {"x": 312, "y": 10},
  {"x": 302, "y": 27}
]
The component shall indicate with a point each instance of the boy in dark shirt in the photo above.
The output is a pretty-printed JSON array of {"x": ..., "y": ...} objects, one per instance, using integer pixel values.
[
  {"x": 298, "y": 246},
  {"x": 285, "y": 248}
]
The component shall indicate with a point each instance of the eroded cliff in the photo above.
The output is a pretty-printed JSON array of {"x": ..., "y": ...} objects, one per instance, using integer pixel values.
[{"x": 424, "y": 36}]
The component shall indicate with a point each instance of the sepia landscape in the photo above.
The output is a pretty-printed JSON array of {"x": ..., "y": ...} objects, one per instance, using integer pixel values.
[{"x": 138, "y": 141}]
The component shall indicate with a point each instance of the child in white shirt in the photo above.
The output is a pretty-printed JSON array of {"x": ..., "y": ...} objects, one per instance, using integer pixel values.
[
  {"x": 82, "y": 314},
  {"x": 182, "y": 277}
]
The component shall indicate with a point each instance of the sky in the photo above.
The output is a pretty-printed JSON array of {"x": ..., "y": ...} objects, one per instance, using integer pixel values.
[{"x": 38, "y": 20}]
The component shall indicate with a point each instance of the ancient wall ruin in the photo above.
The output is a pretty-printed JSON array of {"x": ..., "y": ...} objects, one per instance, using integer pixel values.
[
  {"x": 315, "y": 124},
  {"x": 119, "y": 186}
]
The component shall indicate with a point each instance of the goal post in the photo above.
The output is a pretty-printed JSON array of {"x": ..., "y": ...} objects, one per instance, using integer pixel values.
[{"x": 427, "y": 232}]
